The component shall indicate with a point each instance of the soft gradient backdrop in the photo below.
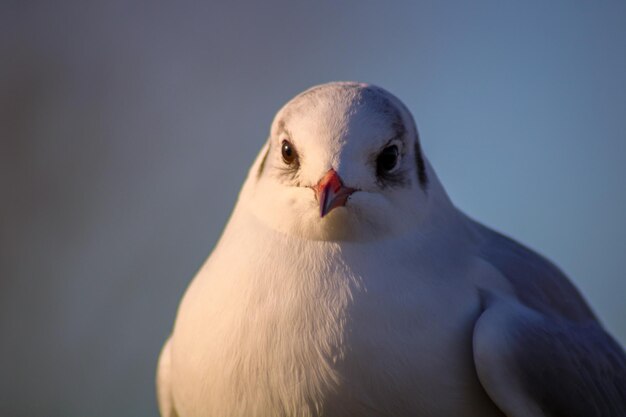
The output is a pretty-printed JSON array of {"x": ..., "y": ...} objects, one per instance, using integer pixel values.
[{"x": 127, "y": 129}]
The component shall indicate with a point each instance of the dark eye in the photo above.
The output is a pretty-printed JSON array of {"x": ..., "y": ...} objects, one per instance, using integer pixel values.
[
  {"x": 289, "y": 153},
  {"x": 387, "y": 160}
]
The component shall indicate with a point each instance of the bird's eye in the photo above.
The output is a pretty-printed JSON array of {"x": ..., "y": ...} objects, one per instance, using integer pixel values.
[
  {"x": 289, "y": 153},
  {"x": 387, "y": 160}
]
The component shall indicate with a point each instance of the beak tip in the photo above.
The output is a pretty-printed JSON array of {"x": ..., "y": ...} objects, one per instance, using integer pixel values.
[{"x": 331, "y": 193}]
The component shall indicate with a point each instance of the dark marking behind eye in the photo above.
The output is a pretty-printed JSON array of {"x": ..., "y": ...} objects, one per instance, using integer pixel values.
[
  {"x": 262, "y": 164},
  {"x": 421, "y": 166}
]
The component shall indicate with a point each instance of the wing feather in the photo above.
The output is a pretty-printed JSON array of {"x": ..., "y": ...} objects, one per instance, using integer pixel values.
[
  {"x": 533, "y": 365},
  {"x": 542, "y": 352}
]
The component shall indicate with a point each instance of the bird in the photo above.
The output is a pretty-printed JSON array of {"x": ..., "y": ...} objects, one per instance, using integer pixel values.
[{"x": 346, "y": 283}]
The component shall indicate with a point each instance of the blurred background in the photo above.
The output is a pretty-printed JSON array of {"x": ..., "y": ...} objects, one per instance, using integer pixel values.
[{"x": 127, "y": 128}]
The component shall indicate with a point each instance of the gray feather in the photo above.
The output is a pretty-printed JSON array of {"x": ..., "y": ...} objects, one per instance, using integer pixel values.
[
  {"x": 538, "y": 283},
  {"x": 544, "y": 354}
]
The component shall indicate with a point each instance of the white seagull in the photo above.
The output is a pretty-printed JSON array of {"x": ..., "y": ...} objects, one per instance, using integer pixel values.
[{"x": 347, "y": 284}]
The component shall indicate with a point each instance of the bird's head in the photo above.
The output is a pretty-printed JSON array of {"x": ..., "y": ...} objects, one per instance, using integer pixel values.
[{"x": 343, "y": 162}]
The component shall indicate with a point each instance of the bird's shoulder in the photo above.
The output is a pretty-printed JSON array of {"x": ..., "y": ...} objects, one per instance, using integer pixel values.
[{"x": 537, "y": 282}]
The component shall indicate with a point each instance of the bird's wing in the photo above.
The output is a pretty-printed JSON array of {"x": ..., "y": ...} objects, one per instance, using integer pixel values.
[
  {"x": 543, "y": 353},
  {"x": 164, "y": 393},
  {"x": 534, "y": 365}
]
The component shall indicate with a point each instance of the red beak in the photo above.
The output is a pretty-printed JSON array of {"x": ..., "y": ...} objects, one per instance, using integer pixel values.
[{"x": 331, "y": 192}]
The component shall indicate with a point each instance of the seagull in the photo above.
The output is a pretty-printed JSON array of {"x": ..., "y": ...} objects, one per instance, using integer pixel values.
[{"x": 346, "y": 283}]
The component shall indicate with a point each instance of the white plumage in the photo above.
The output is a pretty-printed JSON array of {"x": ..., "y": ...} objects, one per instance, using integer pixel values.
[{"x": 347, "y": 284}]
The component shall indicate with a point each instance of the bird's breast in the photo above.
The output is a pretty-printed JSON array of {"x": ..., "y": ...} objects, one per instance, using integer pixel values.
[{"x": 278, "y": 326}]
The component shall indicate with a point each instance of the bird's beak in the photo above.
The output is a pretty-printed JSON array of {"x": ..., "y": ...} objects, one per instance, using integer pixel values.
[{"x": 331, "y": 193}]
